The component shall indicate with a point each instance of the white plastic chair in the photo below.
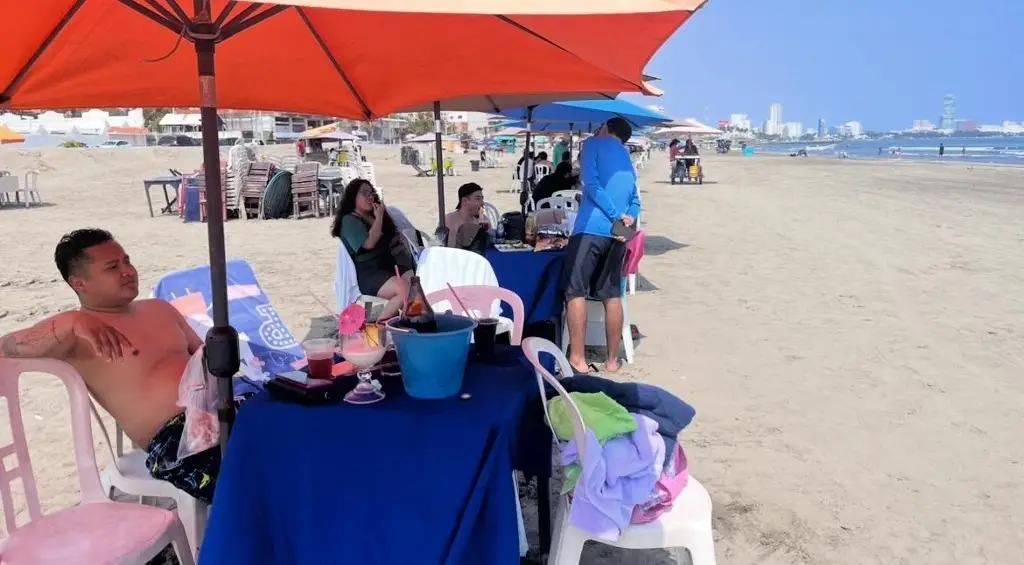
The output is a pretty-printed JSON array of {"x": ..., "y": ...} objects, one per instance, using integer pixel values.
[
  {"x": 346, "y": 286},
  {"x": 570, "y": 194},
  {"x": 127, "y": 473},
  {"x": 492, "y": 214},
  {"x": 557, "y": 202},
  {"x": 479, "y": 300},
  {"x": 95, "y": 531},
  {"x": 441, "y": 266},
  {"x": 541, "y": 171},
  {"x": 595, "y": 333},
  {"x": 685, "y": 528},
  {"x": 31, "y": 189}
]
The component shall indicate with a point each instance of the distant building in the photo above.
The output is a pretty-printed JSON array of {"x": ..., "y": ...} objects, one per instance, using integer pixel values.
[
  {"x": 792, "y": 130},
  {"x": 852, "y": 129},
  {"x": 922, "y": 125},
  {"x": 773, "y": 126},
  {"x": 821, "y": 127},
  {"x": 948, "y": 119},
  {"x": 962, "y": 126},
  {"x": 740, "y": 122}
]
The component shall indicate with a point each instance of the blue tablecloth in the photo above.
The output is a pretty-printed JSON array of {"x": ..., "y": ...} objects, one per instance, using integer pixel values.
[
  {"x": 534, "y": 277},
  {"x": 403, "y": 481}
]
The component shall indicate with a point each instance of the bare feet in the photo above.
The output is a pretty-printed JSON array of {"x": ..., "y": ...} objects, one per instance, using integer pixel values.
[{"x": 612, "y": 365}]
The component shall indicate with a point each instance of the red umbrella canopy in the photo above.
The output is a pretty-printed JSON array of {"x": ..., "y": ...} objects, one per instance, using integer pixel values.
[{"x": 346, "y": 58}]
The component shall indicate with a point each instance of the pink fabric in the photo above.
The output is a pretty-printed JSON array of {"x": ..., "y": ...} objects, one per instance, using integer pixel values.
[
  {"x": 672, "y": 481},
  {"x": 97, "y": 533},
  {"x": 634, "y": 253}
]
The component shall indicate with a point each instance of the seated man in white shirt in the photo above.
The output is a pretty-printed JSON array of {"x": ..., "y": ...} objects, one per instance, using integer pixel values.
[{"x": 467, "y": 212}]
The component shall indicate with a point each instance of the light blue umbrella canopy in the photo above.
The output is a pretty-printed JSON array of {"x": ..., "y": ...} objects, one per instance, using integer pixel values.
[
  {"x": 555, "y": 127},
  {"x": 581, "y": 112}
]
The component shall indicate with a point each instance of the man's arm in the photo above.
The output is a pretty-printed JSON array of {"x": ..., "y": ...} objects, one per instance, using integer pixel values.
[
  {"x": 592, "y": 187},
  {"x": 53, "y": 337},
  {"x": 194, "y": 343}
]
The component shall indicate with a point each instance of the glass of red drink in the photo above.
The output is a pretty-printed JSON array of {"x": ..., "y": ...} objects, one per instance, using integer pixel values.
[{"x": 320, "y": 357}]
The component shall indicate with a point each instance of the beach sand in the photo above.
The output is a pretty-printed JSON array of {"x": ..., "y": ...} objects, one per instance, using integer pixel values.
[{"x": 848, "y": 331}]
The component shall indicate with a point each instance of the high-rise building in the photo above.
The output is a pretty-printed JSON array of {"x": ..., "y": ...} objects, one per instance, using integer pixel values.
[
  {"x": 774, "y": 124},
  {"x": 948, "y": 119},
  {"x": 821, "y": 127},
  {"x": 792, "y": 130}
]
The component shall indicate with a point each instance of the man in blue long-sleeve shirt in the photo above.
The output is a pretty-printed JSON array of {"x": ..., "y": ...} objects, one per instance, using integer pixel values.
[{"x": 594, "y": 256}]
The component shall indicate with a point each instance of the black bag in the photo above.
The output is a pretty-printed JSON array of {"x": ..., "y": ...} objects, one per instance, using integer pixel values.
[{"x": 514, "y": 224}]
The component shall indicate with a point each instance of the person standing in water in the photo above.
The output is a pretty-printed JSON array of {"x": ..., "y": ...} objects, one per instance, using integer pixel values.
[{"x": 942, "y": 150}]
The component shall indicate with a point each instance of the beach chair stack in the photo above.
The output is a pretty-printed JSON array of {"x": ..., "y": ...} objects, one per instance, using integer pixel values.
[{"x": 306, "y": 191}]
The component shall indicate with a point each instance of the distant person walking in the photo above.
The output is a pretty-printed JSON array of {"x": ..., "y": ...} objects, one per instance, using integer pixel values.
[
  {"x": 963, "y": 151},
  {"x": 942, "y": 150}
]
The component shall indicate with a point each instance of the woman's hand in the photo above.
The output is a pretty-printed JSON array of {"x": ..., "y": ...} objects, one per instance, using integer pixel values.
[{"x": 378, "y": 212}]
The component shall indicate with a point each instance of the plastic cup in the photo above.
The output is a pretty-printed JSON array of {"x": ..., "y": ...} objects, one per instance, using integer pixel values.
[
  {"x": 484, "y": 336},
  {"x": 319, "y": 357}
]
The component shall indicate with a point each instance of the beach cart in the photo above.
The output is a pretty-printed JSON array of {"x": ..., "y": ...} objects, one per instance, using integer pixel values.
[{"x": 686, "y": 169}]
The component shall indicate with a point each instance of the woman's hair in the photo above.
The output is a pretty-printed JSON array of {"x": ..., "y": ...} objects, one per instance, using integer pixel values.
[
  {"x": 542, "y": 156},
  {"x": 674, "y": 143},
  {"x": 348, "y": 206}
]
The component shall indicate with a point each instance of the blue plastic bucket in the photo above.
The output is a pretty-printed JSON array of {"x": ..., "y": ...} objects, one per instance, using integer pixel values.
[{"x": 433, "y": 365}]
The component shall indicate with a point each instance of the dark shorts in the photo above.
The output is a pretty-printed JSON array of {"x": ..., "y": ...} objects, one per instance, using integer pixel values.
[
  {"x": 196, "y": 474},
  {"x": 372, "y": 275},
  {"x": 593, "y": 267}
]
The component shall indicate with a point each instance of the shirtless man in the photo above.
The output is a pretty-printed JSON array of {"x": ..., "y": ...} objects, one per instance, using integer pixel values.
[{"x": 131, "y": 354}]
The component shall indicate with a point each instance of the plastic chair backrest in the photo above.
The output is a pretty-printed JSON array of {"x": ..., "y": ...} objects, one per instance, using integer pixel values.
[
  {"x": 541, "y": 171},
  {"x": 440, "y": 266},
  {"x": 566, "y": 194},
  {"x": 634, "y": 253},
  {"x": 557, "y": 202},
  {"x": 81, "y": 429},
  {"x": 346, "y": 285},
  {"x": 479, "y": 299},
  {"x": 492, "y": 214},
  {"x": 533, "y": 347}
]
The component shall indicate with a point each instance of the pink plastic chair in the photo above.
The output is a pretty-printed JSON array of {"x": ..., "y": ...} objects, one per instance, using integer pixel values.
[
  {"x": 634, "y": 253},
  {"x": 480, "y": 299},
  {"x": 97, "y": 531}
]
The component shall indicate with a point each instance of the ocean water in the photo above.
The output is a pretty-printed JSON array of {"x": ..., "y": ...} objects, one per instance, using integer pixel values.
[{"x": 1001, "y": 150}]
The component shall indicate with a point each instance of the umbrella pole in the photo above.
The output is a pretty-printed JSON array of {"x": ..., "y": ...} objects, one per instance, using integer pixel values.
[
  {"x": 570, "y": 143},
  {"x": 526, "y": 158},
  {"x": 440, "y": 164},
  {"x": 222, "y": 357}
]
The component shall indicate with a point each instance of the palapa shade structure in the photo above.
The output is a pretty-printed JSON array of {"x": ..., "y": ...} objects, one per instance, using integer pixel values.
[{"x": 326, "y": 57}]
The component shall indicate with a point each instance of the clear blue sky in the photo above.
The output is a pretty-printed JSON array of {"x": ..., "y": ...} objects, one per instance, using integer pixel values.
[{"x": 884, "y": 63}]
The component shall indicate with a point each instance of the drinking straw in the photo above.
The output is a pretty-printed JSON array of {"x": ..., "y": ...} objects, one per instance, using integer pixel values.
[{"x": 459, "y": 300}]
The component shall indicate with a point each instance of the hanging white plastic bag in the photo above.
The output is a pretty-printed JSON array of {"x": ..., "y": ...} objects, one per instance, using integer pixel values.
[{"x": 197, "y": 394}]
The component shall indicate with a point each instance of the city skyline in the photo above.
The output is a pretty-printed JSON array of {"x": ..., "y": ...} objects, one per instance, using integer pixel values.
[{"x": 883, "y": 63}]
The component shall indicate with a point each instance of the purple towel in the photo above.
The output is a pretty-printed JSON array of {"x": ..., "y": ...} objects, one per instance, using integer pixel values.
[{"x": 614, "y": 478}]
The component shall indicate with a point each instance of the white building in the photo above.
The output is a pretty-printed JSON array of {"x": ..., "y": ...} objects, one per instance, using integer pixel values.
[
  {"x": 792, "y": 130},
  {"x": 852, "y": 129},
  {"x": 740, "y": 122},
  {"x": 773, "y": 125},
  {"x": 91, "y": 122},
  {"x": 923, "y": 125}
]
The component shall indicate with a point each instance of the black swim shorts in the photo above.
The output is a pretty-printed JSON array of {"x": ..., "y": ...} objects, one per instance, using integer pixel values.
[{"x": 593, "y": 267}]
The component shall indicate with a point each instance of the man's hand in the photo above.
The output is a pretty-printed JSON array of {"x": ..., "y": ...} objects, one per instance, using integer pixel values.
[
  {"x": 627, "y": 220},
  {"x": 106, "y": 341}
]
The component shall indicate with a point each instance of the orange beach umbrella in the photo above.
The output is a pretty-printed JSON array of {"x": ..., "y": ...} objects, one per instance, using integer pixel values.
[
  {"x": 348, "y": 58},
  {"x": 8, "y": 136}
]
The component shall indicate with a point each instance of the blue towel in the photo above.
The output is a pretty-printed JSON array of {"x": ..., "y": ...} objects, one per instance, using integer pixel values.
[{"x": 658, "y": 404}]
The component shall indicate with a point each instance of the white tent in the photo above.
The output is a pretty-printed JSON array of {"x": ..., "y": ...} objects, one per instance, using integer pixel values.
[
  {"x": 430, "y": 138},
  {"x": 689, "y": 126}
]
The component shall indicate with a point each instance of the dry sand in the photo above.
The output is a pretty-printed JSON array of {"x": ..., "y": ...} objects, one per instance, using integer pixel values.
[{"x": 849, "y": 332}]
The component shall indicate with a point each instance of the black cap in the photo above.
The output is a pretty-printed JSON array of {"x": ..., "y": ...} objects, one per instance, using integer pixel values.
[
  {"x": 620, "y": 128},
  {"x": 466, "y": 190}
]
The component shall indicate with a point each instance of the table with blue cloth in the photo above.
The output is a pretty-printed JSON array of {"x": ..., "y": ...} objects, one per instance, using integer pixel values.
[
  {"x": 402, "y": 481},
  {"x": 535, "y": 277}
]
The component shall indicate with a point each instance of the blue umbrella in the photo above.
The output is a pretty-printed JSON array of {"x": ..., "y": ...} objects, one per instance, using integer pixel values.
[
  {"x": 555, "y": 127},
  {"x": 581, "y": 112}
]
